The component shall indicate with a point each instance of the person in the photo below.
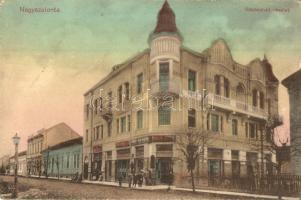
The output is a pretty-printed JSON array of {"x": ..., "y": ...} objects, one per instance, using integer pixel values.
[
  {"x": 120, "y": 179},
  {"x": 140, "y": 179},
  {"x": 130, "y": 180},
  {"x": 135, "y": 180},
  {"x": 150, "y": 177},
  {"x": 170, "y": 179}
]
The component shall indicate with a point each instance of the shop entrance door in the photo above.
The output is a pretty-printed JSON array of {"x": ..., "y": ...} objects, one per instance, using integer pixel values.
[
  {"x": 163, "y": 167},
  {"x": 86, "y": 171}
]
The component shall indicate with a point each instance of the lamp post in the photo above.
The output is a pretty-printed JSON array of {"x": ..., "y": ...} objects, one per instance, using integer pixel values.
[{"x": 16, "y": 140}]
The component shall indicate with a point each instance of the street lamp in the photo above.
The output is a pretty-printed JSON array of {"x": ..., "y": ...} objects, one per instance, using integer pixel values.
[{"x": 16, "y": 140}]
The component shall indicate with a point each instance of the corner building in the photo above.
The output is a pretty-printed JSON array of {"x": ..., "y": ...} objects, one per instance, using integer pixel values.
[{"x": 125, "y": 132}]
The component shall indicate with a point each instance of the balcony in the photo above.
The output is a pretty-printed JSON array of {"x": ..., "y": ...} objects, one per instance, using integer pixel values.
[
  {"x": 236, "y": 106},
  {"x": 106, "y": 113},
  {"x": 165, "y": 89}
]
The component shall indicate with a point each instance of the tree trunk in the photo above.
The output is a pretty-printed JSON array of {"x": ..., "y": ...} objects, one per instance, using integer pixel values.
[{"x": 192, "y": 180}]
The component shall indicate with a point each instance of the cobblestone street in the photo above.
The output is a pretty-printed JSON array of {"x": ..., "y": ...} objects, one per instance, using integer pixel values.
[{"x": 65, "y": 189}]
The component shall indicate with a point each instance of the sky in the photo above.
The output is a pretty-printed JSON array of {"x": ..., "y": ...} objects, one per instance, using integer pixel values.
[{"x": 49, "y": 60}]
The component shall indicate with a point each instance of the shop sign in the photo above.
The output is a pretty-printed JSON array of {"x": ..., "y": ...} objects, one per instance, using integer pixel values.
[
  {"x": 142, "y": 140},
  {"x": 122, "y": 144},
  {"x": 97, "y": 149},
  {"x": 162, "y": 138}
]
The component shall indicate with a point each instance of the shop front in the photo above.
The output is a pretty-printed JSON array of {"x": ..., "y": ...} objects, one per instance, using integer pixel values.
[
  {"x": 97, "y": 162},
  {"x": 122, "y": 163},
  {"x": 164, "y": 155},
  {"x": 215, "y": 164}
]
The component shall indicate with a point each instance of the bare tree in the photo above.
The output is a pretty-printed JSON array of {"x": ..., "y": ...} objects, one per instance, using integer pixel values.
[{"x": 192, "y": 145}]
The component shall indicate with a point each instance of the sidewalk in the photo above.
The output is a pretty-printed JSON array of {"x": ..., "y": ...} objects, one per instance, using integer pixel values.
[{"x": 165, "y": 187}]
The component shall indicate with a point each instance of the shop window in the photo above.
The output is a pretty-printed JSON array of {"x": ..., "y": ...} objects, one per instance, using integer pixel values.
[
  {"x": 191, "y": 80},
  {"x": 164, "y": 115},
  {"x": 234, "y": 127},
  {"x": 164, "y": 76},
  {"x": 139, "y": 83},
  {"x": 140, "y": 119},
  {"x": 191, "y": 118}
]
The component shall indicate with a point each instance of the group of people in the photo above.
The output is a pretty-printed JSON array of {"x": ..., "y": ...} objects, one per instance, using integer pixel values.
[{"x": 139, "y": 178}]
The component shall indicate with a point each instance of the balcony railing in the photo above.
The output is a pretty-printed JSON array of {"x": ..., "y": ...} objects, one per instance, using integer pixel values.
[
  {"x": 236, "y": 106},
  {"x": 165, "y": 88}
]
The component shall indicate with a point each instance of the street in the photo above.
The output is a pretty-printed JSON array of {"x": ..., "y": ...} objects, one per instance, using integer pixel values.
[{"x": 65, "y": 189}]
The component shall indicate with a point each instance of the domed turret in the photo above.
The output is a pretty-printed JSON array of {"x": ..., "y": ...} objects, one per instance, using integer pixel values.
[{"x": 165, "y": 40}]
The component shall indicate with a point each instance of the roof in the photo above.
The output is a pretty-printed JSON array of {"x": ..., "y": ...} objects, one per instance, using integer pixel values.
[
  {"x": 166, "y": 20},
  {"x": 42, "y": 132},
  {"x": 117, "y": 69},
  {"x": 292, "y": 78},
  {"x": 67, "y": 143}
]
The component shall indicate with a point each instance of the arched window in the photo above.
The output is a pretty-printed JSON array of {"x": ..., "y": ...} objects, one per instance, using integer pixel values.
[
  {"x": 191, "y": 118},
  {"x": 226, "y": 87},
  {"x": 217, "y": 84},
  {"x": 254, "y": 98}
]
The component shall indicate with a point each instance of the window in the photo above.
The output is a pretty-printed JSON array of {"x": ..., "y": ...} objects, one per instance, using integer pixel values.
[
  {"x": 252, "y": 130},
  {"x": 164, "y": 113},
  {"x": 68, "y": 158},
  {"x": 97, "y": 132},
  {"x": 117, "y": 125},
  {"x": 109, "y": 128},
  {"x": 254, "y": 97},
  {"x": 101, "y": 131},
  {"x": 217, "y": 84},
  {"x": 120, "y": 94},
  {"x": 87, "y": 111},
  {"x": 247, "y": 129},
  {"x": 123, "y": 124},
  {"x": 139, "y": 119},
  {"x": 78, "y": 160},
  {"x": 214, "y": 122},
  {"x": 110, "y": 100},
  {"x": 87, "y": 135},
  {"x": 226, "y": 87},
  {"x": 269, "y": 106},
  {"x": 139, "y": 83},
  {"x": 222, "y": 124},
  {"x": 95, "y": 106},
  {"x": 129, "y": 123},
  {"x": 191, "y": 80},
  {"x": 74, "y": 160},
  {"x": 191, "y": 118},
  {"x": 127, "y": 91},
  {"x": 208, "y": 121},
  {"x": 164, "y": 76},
  {"x": 234, "y": 127},
  {"x": 100, "y": 103},
  {"x": 261, "y": 97}
]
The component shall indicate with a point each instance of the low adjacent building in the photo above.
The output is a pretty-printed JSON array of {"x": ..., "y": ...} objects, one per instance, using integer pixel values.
[
  {"x": 22, "y": 164},
  {"x": 63, "y": 159},
  {"x": 4, "y": 164},
  {"x": 44, "y": 139}
]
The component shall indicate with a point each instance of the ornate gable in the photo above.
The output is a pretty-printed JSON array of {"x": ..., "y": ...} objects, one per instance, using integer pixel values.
[{"x": 220, "y": 53}]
